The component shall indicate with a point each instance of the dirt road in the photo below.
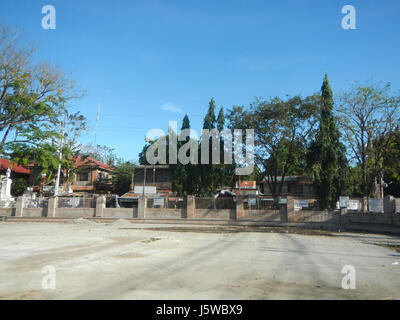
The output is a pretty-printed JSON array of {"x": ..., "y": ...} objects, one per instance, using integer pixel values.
[{"x": 129, "y": 261}]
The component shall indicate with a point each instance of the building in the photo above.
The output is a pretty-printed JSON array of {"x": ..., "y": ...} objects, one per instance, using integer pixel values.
[
  {"x": 90, "y": 176},
  {"x": 151, "y": 180},
  {"x": 295, "y": 186}
]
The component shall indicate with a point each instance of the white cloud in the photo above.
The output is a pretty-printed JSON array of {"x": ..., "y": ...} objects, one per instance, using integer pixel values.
[{"x": 172, "y": 107}]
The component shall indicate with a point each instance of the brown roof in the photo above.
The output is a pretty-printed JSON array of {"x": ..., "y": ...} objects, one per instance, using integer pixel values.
[{"x": 81, "y": 161}]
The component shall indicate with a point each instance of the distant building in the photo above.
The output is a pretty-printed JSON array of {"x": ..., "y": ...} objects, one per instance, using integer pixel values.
[
  {"x": 297, "y": 186},
  {"x": 151, "y": 180},
  {"x": 92, "y": 175}
]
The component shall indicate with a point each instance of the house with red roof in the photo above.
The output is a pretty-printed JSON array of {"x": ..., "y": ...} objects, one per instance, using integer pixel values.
[{"x": 90, "y": 176}]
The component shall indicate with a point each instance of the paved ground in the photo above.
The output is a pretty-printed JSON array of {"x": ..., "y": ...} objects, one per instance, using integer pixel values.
[{"x": 122, "y": 260}]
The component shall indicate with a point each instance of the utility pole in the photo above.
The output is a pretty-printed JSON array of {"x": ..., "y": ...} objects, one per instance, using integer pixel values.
[
  {"x": 239, "y": 185},
  {"x": 60, "y": 157},
  {"x": 144, "y": 180}
]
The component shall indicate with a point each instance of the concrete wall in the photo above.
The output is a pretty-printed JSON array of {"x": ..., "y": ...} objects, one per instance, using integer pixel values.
[
  {"x": 396, "y": 220},
  {"x": 120, "y": 213},
  {"x": 161, "y": 213},
  {"x": 214, "y": 214},
  {"x": 313, "y": 216},
  {"x": 378, "y": 218},
  {"x": 290, "y": 215},
  {"x": 8, "y": 212},
  {"x": 74, "y": 212},
  {"x": 33, "y": 212},
  {"x": 260, "y": 215}
]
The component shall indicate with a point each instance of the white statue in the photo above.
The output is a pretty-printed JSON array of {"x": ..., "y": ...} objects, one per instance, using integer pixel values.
[{"x": 5, "y": 191}]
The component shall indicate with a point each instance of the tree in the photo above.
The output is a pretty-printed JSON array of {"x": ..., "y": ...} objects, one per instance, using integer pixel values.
[
  {"x": 391, "y": 166},
  {"x": 33, "y": 99},
  {"x": 46, "y": 156},
  {"x": 281, "y": 129},
  {"x": 19, "y": 186},
  {"x": 324, "y": 158},
  {"x": 181, "y": 184},
  {"x": 124, "y": 172},
  {"x": 32, "y": 96},
  {"x": 101, "y": 153},
  {"x": 368, "y": 116},
  {"x": 142, "y": 154},
  {"x": 209, "y": 175}
]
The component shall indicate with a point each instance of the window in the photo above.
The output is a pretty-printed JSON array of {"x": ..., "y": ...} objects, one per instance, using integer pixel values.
[
  {"x": 83, "y": 176},
  {"x": 295, "y": 188}
]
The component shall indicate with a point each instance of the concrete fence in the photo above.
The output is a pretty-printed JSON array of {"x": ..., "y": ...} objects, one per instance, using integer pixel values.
[{"x": 286, "y": 213}]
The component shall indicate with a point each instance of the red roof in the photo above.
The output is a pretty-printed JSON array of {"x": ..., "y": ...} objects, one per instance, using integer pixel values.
[
  {"x": 79, "y": 162},
  {"x": 14, "y": 167}
]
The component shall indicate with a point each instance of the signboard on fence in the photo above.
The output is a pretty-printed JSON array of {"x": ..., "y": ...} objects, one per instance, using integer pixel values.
[
  {"x": 247, "y": 185},
  {"x": 344, "y": 202},
  {"x": 299, "y": 204},
  {"x": 303, "y": 203},
  {"x": 252, "y": 201},
  {"x": 397, "y": 204},
  {"x": 375, "y": 205},
  {"x": 354, "y": 205},
  {"x": 147, "y": 190},
  {"x": 158, "y": 202}
]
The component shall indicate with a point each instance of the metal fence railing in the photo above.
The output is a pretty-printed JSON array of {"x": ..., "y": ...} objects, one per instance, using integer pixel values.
[
  {"x": 36, "y": 203},
  {"x": 127, "y": 203},
  {"x": 256, "y": 203},
  {"x": 166, "y": 202},
  {"x": 76, "y": 202}
]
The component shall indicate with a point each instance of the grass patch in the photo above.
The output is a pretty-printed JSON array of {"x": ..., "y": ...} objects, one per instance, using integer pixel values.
[{"x": 151, "y": 240}]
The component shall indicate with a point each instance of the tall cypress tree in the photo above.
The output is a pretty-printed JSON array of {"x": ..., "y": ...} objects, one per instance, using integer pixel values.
[
  {"x": 206, "y": 173},
  {"x": 221, "y": 120},
  {"x": 181, "y": 173},
  {"x": 324, "y": 157}
]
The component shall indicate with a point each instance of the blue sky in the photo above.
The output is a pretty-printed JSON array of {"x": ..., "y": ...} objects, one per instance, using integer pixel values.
[{"x": 149, "y": 62}]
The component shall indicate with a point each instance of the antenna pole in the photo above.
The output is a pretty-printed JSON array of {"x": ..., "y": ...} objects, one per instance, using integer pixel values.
[{"x": 97, "y": 121}]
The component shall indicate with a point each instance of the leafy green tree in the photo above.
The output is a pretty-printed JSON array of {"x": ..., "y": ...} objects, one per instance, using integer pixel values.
[
  {"x": 19, "y": 186},
  {"x": 101, "y": 153},
  {"x": 124, "y": 171},
  {"x": 46, "y": 156},
  {"x": 391, "y": 165},
  {"x": 281, "y": 131},
  {"x": 33, "y": 100},
  {"x": 368, "y": 115},
  {"x": 32, "y": 97}
]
